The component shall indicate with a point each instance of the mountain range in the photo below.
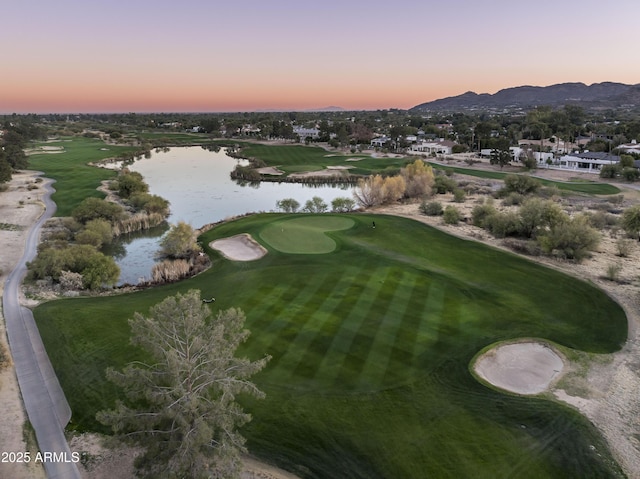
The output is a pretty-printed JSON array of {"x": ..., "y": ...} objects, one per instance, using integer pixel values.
[{"x": 604, "y": 95}]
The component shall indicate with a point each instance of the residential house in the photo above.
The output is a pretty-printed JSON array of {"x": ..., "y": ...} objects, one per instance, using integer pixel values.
[
  {"x": 438, "y": 147},
  {"x": 632, "y": 147},
  {"x": 589, "y": 162},
  {"x": 380, "y": 141},
  {"x": 304, "y": 133}
]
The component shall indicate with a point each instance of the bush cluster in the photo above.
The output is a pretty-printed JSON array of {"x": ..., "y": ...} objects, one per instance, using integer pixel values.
[
  {"x": 96, "y": 269},
  {"x": 431, "y": 208},
  {"x": 539, "y": 225}
]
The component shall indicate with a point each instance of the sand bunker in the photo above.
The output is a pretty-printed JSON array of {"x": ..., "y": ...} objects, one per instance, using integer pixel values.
[
  {"x": 270, "y": 170},
  {"x": 239, "y": 248},
  {"x": 523, "y": 368}
]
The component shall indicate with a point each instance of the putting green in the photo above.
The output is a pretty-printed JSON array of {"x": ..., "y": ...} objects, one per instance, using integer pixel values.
[{"x": 306, "y": 235}]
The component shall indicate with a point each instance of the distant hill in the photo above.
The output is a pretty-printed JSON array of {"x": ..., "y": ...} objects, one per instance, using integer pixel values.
[
  {"x": 595, "y": 96},
  {"x": 327, "y": 108}
]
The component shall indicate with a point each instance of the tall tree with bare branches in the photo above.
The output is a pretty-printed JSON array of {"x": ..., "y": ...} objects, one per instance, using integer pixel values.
[{"x": 182, "y": 403}]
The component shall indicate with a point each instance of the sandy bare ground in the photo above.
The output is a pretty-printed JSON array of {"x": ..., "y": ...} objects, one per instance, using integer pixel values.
[
  {"x": 106, "y": 458},
  {"x": 527, "y": 367},
  {"x": 605, "y": 388},
  {"x": 239, "y": 248},
  {"x": 270, "y": 170},
  {"x": 329, "y": 171},
  {"x": 19, "y": 209}
]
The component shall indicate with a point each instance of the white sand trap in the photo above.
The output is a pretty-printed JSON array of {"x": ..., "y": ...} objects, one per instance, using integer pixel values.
[
  {"x": 270, "y": 170},
  {"x": 523, "y": 368},
  {"x": 239, "y": 248}
]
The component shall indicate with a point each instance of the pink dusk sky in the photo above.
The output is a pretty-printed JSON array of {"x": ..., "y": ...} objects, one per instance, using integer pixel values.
[{"x": 72, "y": 56}]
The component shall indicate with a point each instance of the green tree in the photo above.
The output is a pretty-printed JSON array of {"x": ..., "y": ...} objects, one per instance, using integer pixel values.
[
  {"x": 342, "y": 205},
  {"x": 130, "y": 183},
  {"x": 5, "y": 169},
  {"x": 500, "y": 157},
  {"x": 630, "y": 174},
  {"x": 288, "y": 205},
  {"x": 315, "y": 205},
  {"x": 94, "y": 208},
  {"x": 179, "y": 241},
  {"x": 149, "y": 203},
  {"x": 626, "y": 161},
  {"x": 96, "y": 232},
  {"x": 101, "y": 271},
  {"x": 186, "y": 415}
]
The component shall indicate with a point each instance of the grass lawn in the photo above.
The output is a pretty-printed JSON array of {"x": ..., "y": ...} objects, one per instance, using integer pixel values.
[
  {"x": 75, "y": 179},
  {"x": 298, "y": 158},
  {"x": 371, "y": 344},
  {"x": 306, "y": 235},
  {"x": 588, "y": 187}
]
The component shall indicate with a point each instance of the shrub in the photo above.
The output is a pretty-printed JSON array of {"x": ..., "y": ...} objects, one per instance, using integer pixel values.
[
  {"x": 419, "y": 179},
  {"x": 613, "y": 271},
  {"x": 522, "y": 184},
  {"x": 70, "y": 281},
  {"x": 537, "y": 214},
  {"x": 95, "y": 268},
  {"x": 616, "y": 200},
  {"x": 459, "y": 195},
  {"x": 609, "y": 171},
  {"x": 630, "y": 221},
  {"x": 571, "y": 239},
  {"x": 501, "y": 225},
  {"x": 549, "y": 192},
  {"x": 601, "y": 220},
  {"x": 451, "y": 215},
  {"x": 149, "y": 203},
  {"x": 528, "y": 247},
  {"x": 130, "y": 183},
  {"x": 444, "y": 184},
  {"x": 623, "y": 245},
  {"x": 170, "y": 270},
  {"x": 93, "y": 208},
  {"x": 513, "y": 198},
  {"x": 179, "y": 242},
  {"x": 481, "y": 212},
  {"x": 630, "y": 174},
  {"x": 431, "y": 208}
]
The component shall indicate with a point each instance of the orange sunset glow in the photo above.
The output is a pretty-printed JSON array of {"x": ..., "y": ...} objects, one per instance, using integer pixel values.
[{"x": 211, "y": 58}]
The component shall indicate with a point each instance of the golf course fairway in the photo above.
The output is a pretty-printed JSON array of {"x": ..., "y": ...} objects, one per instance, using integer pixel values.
[{"x": 371, "y": 331}]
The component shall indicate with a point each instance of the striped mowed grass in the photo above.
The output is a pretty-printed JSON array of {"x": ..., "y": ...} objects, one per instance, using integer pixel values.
[{"x": 371, "y": 344}]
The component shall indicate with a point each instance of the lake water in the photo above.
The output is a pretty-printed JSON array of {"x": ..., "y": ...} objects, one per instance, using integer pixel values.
[{"x": 198, "y": 185}]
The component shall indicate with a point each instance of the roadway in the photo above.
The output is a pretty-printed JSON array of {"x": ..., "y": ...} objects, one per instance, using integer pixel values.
[{"x": 44, "y": 400}]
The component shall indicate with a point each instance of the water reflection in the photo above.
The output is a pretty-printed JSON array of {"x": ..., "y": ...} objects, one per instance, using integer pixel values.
[{"x": 197, "y": 183}]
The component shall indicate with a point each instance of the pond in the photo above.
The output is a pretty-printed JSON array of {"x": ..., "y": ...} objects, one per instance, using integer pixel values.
[{"x": 198, "y": 185}]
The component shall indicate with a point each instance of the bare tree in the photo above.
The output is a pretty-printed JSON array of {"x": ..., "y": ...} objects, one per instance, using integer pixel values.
[
  {"x": 370, "y": 191},
  {"x": 181, "y": 405}
]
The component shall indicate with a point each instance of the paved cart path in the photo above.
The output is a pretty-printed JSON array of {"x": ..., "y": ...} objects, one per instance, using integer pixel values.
[{"x": 43, "y": 397}]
